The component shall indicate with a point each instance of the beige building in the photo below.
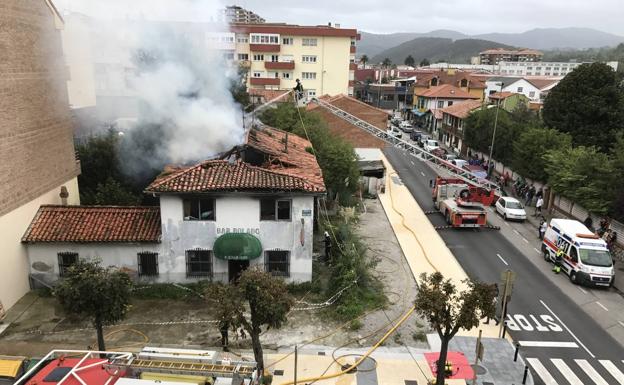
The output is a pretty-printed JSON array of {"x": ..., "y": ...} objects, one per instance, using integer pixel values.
[
  {"x": 37, "y": 154},
  {"x": 322, "y": 57}
]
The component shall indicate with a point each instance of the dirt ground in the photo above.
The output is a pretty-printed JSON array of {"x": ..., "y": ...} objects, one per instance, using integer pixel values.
[{"x": 38, "y": 325}]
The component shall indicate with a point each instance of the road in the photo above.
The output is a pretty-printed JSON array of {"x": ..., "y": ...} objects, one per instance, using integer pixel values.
[{"x": 559, "y": 340}]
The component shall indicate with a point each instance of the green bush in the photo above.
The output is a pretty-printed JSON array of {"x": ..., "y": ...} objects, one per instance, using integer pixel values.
[{"x": 170, "y": 291}]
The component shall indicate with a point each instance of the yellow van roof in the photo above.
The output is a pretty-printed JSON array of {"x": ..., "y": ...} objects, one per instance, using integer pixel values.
[{"x": 9, "y": 368}]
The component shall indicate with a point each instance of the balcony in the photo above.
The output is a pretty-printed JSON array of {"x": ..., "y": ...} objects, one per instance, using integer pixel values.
[
  {"x": 279, "y": 65},
  {"x": 264, "y": 47},
  {"x": 352, "y": 66},
  {"x": 244, "y": 63},
  {"x": 264, "y": 81},
  {"x": 352, "y": 50}
]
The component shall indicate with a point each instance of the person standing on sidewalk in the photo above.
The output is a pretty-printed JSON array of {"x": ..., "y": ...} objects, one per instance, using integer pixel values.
[
  {"x": 541, "y": 230},
  {"x": 538, "y": 206}
]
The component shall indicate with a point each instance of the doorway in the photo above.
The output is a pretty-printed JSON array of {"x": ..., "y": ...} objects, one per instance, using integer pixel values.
[{"x": 235, "y": 268}]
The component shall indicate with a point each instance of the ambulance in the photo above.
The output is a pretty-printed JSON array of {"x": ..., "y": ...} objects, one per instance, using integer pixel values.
[{"x": 586, "y": 257}]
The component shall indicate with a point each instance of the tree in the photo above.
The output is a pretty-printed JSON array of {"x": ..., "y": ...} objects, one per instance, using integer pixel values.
[
  {"x": 448, "y": 310},
  {"x": 409, "y": 61},
  {"x": 617, "y": 206},
  {"x": 111, "y": 192},
  {"x": 92, "y": 291},
  {"x": 582, "y": 174},
  {"x": 479, "y": 128},
  {"x": 238, "y": 88},
  {"x": 269, "y": 303},
  {"x": 227, "y": 306},
  {"x": 386, "y": 63},
  {"x": 588, "y": 104},
  {"x": 424, "y": 62},
  {"x": 531, "y": 146},
  {"x": 364, "y": 60}
]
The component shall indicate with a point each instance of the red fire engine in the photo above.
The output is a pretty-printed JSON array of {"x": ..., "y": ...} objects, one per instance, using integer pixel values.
[{"x": 462, "y": 205}]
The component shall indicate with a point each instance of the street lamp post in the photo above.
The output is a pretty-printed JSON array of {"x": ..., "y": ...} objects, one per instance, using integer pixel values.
[{"x": 494, "y": 135}]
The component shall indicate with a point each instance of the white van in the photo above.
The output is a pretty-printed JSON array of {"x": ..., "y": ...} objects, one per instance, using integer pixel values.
[{"x": 586, "y": 260}]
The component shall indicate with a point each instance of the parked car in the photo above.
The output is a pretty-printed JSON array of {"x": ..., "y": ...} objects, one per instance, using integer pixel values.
[
  {"x": 459, "y": 163},
  {"x": 430, "y": 145},
  {"x": 439, "y": 152},
  {"x": 476, "y": 170},
  {"x": 394, "y": 132},
  {"x": 448, "y": 156},
  {"x": 510, "y": 208},
  {"x": 396, "y": 121},
  {"x": 406, "y": 127},
  {"x": 423, "y": 139},
  {"x": 415, "y": 135}
]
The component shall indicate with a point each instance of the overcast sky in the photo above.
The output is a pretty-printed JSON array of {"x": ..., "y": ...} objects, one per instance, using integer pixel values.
[{"x": 468, "y": 16}]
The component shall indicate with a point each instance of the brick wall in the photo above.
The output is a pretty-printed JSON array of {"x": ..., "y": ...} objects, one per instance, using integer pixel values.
[{"x": 36, "y": 147}]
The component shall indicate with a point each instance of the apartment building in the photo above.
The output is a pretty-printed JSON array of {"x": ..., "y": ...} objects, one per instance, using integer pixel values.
[
  {"x": 495, "y": 56},
  {"x": 542, "y": 68},
  {"x": 37, "y": 158},
  {"x": 236, "y": 14},
  {"x": 322, "y": 57}
]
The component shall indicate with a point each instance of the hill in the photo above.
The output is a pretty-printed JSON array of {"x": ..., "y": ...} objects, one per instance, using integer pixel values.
[
  {"x": 436, "y": 49},
  {"x": 540, "y": 38}
]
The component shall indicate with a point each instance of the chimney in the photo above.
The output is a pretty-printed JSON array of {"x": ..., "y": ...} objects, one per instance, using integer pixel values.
[
  {"x": 329, "y": 24},
  {"x": 64, "y": 194}
]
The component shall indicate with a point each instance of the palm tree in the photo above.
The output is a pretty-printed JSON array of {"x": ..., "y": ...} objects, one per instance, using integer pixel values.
[
  {"x": 386, "y": 62},
  {"x": 364, "y": 60},
  {"x": 409, "y": 61}
]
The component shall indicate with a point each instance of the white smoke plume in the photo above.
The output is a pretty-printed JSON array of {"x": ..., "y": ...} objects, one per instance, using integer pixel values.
[{"x": 182, "y": 82}]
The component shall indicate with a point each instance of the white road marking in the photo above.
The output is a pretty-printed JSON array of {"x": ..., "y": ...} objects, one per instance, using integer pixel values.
[
  {"x": 507, "y": 224},
  {"x": 541, "y": 371},
  {"x": 581, "y": 289},
  {"x": 516, "y": 231},
  {"x": 591, "y": 372},
  {"x": 566, "y": 371},
  {"x": 621, "y": 323},
  {"x": 548, "y": 344},
  {"x": 613, "y": 370},
  {"x": 538, "y": 252},
  {"x": 602, "y": 306},
  {"x": 422, "y": 173},
  {"x": 413, "y": 164},
  {"x": 568, "y": 329},
  {"x": 525, "y": 240},
  {"x": 501, "y": 258}
]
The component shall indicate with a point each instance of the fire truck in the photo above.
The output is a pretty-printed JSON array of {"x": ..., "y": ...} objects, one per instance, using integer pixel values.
[{"x": 461, "y": 203}]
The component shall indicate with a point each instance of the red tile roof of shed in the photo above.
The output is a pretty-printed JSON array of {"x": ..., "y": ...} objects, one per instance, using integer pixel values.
[
  {"x": 54, "y": 223},
  {"x": 446, "y": 91},
  {"x": 463, "y": 109}
]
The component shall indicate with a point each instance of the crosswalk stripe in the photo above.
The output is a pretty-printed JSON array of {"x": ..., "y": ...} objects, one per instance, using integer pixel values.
[
  {"x": 566, "y": 371},
  {"x": 613, "y": 370},
  {"x": 541, "y": 371},
  {"x": 591, "y": 372}
]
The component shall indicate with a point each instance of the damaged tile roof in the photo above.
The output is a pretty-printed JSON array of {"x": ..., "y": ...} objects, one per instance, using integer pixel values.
[
  {"x": 286, "y": 166},
  {"x": 55, "y": 223},
  {"x": 350, "y": 132},
  {"x": 223, "y": 176}
]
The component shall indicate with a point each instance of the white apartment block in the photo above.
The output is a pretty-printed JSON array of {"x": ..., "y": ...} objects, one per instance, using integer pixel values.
[
  {"x": 542, "y": 68},
  {"x": 322, "y": 57}
]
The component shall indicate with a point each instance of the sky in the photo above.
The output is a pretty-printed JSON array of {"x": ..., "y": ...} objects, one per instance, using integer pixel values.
[{"x": 467, "y": 16}]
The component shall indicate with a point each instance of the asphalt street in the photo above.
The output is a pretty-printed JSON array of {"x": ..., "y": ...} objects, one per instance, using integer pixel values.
[{"x": 561, "y": 342}]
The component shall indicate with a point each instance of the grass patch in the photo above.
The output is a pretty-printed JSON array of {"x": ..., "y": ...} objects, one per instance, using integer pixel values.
[
  {"x": 355, "y": 325},
  {"x": 188, "y": 291},
  {"x": 419, "y": 336}
]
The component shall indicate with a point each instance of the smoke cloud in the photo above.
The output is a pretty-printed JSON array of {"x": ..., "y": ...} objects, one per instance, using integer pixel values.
[{"x": 171, "y": 71}]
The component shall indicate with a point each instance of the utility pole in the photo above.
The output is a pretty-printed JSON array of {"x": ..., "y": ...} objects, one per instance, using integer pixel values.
[
  {"x": 508, "y": 278},
  {"x": 295, "y": 379},
  {"x": 478, "y": 356},
  {"x": 494, "y": 134}
]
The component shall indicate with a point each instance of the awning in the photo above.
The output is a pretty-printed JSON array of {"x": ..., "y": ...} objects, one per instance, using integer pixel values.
[
  {"x": 237, "y": 246},
  {"x": 10, "y": 367},
  {"x": 416, "y": 112}
]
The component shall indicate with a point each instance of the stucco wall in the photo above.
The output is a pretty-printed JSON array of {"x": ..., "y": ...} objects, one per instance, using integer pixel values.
[
  {"x": 13, "y": 256},
  {"x": 237, "y": 213}
]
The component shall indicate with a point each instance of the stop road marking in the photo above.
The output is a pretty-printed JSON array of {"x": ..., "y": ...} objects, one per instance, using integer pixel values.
[{"x": 540, "y": 323}]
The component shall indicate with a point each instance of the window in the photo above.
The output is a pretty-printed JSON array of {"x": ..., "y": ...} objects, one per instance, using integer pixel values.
[
  {"x": 308, "y": 75},
  {"x": 308, "y": 59},
  {"x": 287, "y": 40},
  {"x": 228, "y": 56},
  {"x": 463, "y": 83},
  {"x": 65, "y": 260},
  {"x": 450, "y": 103},
  {"x": 532, "y": 94},
  {"x": 274, "y": 209},
  {"x": 148, "y": 264},
  {"x": 309, "y": 42},
  {"x": 242, "y": 39},
  {"x": 440, "y": 103},
  {"x": 243, "y": 56},
  {"x": 434, "y": 82},
  {"x": 277, "y": 262},
  {"x": 258, "y": 57},
  {"x": 274, "y": 58},
  {"x": 311, "y": 93},
  {"x": 387, "y": 97},
  {"x": 286, "y": 75},
  {"x": 199, "y": 209},
  {"x": 198, "y": 263},
  {"x": 257, "y": 74},
  {"x": 264, "y": 38},
  {"x": 520, "y": 89}
]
